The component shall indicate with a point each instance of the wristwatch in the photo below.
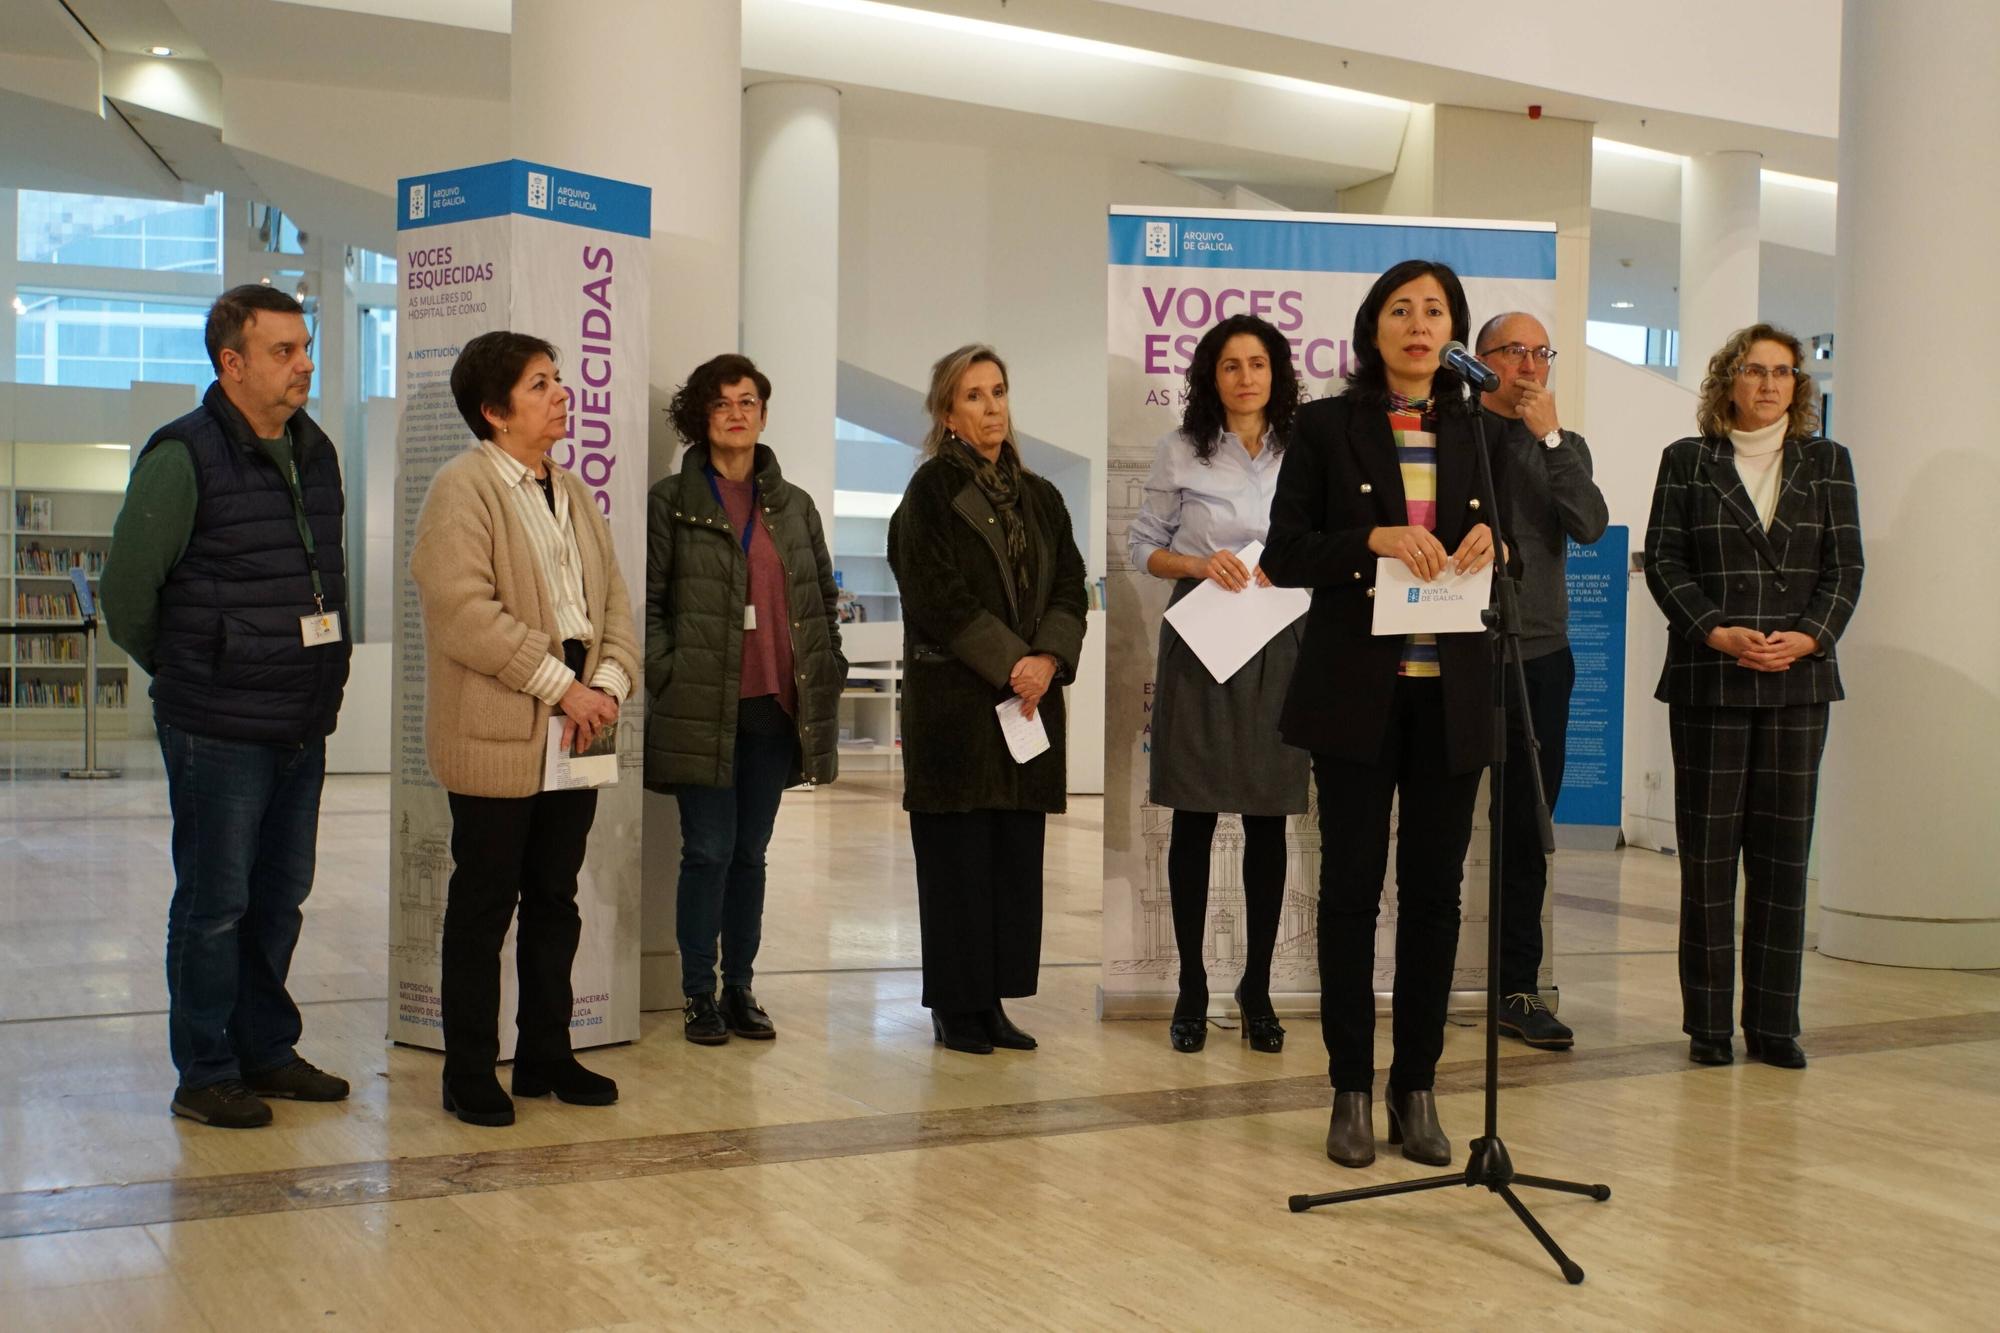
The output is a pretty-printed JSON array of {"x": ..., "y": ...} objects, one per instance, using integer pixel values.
[{"x": 1553, "y": 438}]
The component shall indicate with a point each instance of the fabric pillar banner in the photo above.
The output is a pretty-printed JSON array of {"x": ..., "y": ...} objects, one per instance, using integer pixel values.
[
  {"x": 563, "y": 256},
  {"x": 1172, "y": 274},
  {"x": 1591, "y": 810}
]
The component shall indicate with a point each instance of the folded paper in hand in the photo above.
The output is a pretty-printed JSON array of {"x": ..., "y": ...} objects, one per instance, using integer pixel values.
[
  {"x": 1448, "y": 604},
  {"x": 1026, "y": 736},
  {"x": 563, "y": 770}
]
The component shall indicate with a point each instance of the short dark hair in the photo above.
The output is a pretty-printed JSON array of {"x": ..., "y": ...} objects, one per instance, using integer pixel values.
[
  {"x": 233, "y": 311},
  {"x": 1368, "y": 382},
  {"x": 487, "y": 370},
  {"x": 1204, "y": 417},
  {"x": 689, "y": 409}
]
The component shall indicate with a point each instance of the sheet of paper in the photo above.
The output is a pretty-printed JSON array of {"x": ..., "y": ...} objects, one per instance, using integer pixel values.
[
  {"x": 1448, "y": 604},
  {"x": 563, "y": 771},
  {"x": 1226, "y": 629},
  {"x": 1026, "y": 736}
]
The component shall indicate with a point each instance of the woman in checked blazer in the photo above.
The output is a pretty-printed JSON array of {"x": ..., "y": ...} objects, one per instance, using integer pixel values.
[{"x": 1754, "y": 553}]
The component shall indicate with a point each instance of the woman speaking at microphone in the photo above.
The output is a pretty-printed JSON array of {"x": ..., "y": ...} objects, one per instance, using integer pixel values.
[
  {"x": 1386, "y": 471},
  {"x": 1215, "y": 743}
]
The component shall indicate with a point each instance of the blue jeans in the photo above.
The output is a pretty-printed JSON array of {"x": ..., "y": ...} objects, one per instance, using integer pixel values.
[
  {"x": 724, "y": 832},
  {"x": 246, "y": 823}
]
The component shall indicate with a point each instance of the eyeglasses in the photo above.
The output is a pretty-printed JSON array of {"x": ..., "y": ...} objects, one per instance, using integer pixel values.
[
  {"x": 1775, "y": 374},
  {"x": 747, "y": 404},
  {"x": 1517, "y": 351}
]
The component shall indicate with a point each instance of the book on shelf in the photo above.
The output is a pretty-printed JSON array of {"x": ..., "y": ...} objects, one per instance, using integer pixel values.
[
  {"x": 48, "y": 650},
  {"x": 34, "y": 558},
  {"x": 46, "y": 606},
  {"x": 34, "y": 513},
  {"x": 66, "y": 694}
]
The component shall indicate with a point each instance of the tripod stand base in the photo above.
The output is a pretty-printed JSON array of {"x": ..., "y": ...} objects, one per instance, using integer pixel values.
[{"x": 1487, "y": 1163}]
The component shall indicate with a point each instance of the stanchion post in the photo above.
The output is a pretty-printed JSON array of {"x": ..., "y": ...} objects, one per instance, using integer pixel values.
[{"x": 87, "y": 605}]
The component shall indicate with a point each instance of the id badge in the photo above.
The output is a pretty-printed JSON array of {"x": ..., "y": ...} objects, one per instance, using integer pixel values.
[
  {"x": 749, "y": 617},
  {"x": 320, "y": 627}
]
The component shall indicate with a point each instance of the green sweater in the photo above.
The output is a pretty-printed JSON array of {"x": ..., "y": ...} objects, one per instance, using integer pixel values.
[{"x": 149, "y": 538}]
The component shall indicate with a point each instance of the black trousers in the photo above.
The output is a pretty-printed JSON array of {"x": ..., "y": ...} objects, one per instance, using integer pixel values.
[
  {"x": 1746, "y": 781},
  {"x": 1431, "y": 836},
  {"x": 1190, "y": 853},
  {"x": 979, "y": 902},
  {"x": 1524, "y": 871},
  {"x": 510, "y": 851}
]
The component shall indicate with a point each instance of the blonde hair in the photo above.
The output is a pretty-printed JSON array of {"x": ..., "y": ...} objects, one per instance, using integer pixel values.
[
  {"x": 948, "y": 370},
  {"x": 1715, "y": 414}
]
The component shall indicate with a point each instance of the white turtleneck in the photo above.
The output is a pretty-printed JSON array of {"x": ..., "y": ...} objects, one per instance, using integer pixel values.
[{"x": 1758, "y": 453}]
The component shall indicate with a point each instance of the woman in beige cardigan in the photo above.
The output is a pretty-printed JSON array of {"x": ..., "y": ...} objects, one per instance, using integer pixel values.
[{"x": 523, "y": 603}]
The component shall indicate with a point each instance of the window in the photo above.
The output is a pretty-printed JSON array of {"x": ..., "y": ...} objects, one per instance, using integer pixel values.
[
  {"x": 96, "y": 342},
  {"x": 375, "y": 266},
  {"x": 378, "y": 351},
  {"x": 156, "y": 234},
  {"x": 1627, "y": 342}
]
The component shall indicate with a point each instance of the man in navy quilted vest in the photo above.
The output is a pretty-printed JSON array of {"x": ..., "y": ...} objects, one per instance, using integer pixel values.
[{"x": 226, "y": 582}]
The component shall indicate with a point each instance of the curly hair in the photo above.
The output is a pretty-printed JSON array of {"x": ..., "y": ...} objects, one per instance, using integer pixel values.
[
  {"x": 1368, "y": 382},
  {"x": 1715, "y": 413},
  {"x": 689, "y": 409},
  {"x": 1204, "y": 417}
]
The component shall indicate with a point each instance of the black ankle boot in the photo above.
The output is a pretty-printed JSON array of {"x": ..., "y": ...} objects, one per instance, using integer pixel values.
[
  {"x": 1000, "y": 1030},
  {"x": 744, "y": 1017},
  {"x": 1710, "y": 1051},
  {"x": 477, "y": 1101},
  {"x": 567, "y": 1079},
  {"x": 1783, "y": 1052},
  {"x": 702, "y": 1022},
  {"x": 961, "y": 1032}
]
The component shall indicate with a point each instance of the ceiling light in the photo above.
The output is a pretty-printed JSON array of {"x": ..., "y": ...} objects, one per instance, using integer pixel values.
[
  {"x": 1633, "y": 150},
  {"x": 1621, "y": 305},
  {"x": 161, "y": 51},
  {"x": 20, "y": 306},
  {"x": 126, "y": 447},
  {"x": 1813, "y": 183}
]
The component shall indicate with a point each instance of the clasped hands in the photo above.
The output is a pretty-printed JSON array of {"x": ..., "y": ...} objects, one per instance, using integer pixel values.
[
  {"x": 1423, "y": 554},
  {"x": 1030, "y": 680},
  {"x": 585, "y": 713},
  {"x": 1759, "y": 651}
]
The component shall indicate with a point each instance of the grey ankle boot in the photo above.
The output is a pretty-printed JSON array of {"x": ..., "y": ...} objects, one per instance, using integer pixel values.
[
  {"x": 1413, "y": 1122},
  {"x": 1350, "y": 1137}
]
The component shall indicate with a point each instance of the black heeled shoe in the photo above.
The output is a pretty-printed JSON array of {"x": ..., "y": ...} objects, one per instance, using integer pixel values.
[
  {"x": 1705, "y": 1052},
  {"x": 1000, "y": 1030},
  {"x": 569, "y": 1081},
  {"x": 1262, "y": 1030},
  {"x": 961, "y": 1032},
  {"x": 1782, "y": 1052},
  {"x": 1413, "y": 1122},
  {"x": 478, "y": 1101},
  {"x": 1187, "y": 1035}
]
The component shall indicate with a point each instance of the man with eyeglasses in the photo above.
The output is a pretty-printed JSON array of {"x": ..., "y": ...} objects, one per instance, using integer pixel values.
[{"x": 1550, "y": 497}]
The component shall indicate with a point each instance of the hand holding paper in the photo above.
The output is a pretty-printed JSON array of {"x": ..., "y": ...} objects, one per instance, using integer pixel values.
[
  {"x": 1451, "y": 603},
  {"x": 1226, "y": 629},
  {"x": 1026, "y": 736}
]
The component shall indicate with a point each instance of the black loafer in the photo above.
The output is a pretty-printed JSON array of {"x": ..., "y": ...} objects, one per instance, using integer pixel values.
[
  {"x": 702, "y": 1022},
  {"x": 744, "y": 1017},
  {"x": 1188, "y": 1035},
  {"x": 1705, "y": 1052},
  {"x": 1782, "y": 1052}
]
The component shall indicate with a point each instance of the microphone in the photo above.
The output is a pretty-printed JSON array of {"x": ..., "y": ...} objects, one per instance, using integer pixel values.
[{"x": 1475, "y": 372}]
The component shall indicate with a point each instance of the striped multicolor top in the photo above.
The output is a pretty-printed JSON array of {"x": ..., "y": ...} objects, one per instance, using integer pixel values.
[{"x": 1416, "y": 454}]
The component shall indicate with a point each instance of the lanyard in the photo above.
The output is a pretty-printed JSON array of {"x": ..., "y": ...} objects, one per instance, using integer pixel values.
[
  {"x": 715, "y": 490},
  {"x": 305, "y": 528}
]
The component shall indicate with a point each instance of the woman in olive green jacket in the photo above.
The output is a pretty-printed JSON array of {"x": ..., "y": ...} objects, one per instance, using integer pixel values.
[{"x": 743, "y": 671}]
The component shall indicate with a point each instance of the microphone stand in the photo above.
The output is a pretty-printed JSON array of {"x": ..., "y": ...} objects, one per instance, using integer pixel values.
[{"x": 1487, "y": 1161}]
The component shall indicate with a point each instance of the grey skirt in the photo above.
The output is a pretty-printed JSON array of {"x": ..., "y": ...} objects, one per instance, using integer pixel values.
[{"x": 1215, "y": 746}]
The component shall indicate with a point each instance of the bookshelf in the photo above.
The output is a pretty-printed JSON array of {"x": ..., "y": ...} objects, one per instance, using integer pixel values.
[{"x": 64, "y": 457}]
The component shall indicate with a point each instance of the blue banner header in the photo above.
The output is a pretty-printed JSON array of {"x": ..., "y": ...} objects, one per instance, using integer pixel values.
[
  {"x": 528, "y": 189},
  {"x": 1170, "y": 240}
]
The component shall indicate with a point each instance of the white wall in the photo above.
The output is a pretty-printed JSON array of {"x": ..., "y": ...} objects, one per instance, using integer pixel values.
[
  {"x": 1631, "y": 415},
  {"x": 944, "y": 244}
]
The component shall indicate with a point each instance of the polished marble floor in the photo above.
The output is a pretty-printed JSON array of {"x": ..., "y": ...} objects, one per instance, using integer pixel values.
[{"x": 853, "y": 1175}]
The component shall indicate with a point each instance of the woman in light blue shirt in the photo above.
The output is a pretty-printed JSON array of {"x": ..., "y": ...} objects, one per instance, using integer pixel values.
[{"x": 1215, "y": 745}]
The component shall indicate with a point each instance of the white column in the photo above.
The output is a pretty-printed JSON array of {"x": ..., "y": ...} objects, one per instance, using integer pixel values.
[
  {"x": 1719, "y": 213},
  {"x": 647, "y": 92},
  {"x": 791, "y": 272},
  {"x": 1907, "y": 803}
]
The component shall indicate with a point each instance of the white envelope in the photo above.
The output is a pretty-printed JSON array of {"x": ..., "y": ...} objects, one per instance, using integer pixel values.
[
  {"x": 1225, "y": 629},
  {"x": 1448, "y": 604}
]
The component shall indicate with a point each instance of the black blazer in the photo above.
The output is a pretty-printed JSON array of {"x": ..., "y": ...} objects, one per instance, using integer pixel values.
[
  {"x": 1709, "y": 562},
  {"x": 1339, "y": 481},
  {"x": 964, "y": 628}
]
